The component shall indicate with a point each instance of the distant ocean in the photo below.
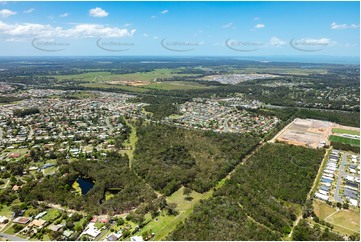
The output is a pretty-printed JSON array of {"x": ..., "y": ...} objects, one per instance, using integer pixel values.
[{"x": 346, "y": 60}]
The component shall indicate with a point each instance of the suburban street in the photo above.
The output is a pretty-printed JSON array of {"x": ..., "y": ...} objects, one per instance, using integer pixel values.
[
  {"x": 11, "y": 237},
  {"x": 342, "y": 173}
]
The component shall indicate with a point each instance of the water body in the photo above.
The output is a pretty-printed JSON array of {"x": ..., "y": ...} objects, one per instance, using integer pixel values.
[{"x": 85, "y": 185}]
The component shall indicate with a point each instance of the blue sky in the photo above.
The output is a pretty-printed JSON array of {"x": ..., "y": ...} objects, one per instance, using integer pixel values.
[{"x": 179, "y": 28}]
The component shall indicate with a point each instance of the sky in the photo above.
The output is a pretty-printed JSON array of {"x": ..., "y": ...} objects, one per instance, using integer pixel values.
[{"x": 179, "y": 28}]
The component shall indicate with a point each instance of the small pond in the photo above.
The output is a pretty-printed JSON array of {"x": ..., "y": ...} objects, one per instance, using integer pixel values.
[{"x": 85, "y": 185}]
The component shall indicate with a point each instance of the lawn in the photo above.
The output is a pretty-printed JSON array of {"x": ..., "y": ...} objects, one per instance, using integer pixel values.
[
  {"x": 79, "y": 224},
  {"x": 51, "y": 214},
  {"x": 108, "y": 195},
  {"x": 165, "y": 223},
  {"x": 322, "y": 210},
  {"x": 5, "y": 211},
  {"x": 50, "y": 170},
  {"x": 30, "y": 212},
  {"x": 346, "y": 220},
  {"x": 10, "y": 230},
  {"x": 76, "y": 187},
  {"x": 345, "y": 131},
  {"x": 133, "y": 138},
  {"x": 344, "y": 140}
]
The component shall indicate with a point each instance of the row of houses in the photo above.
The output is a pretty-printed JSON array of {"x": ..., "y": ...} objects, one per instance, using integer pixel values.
[
  {"x": 328, "y": 175},
  {"x": 351, "y": 187}
]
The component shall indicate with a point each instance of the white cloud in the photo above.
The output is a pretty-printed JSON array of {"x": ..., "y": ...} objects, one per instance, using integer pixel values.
[
  {"x": 274, "y": 41},
  {"x": 226, "y": 26},
  {"x": 153, "y": 17},
  {"x": 155, "y": 37},
  {"x": 29, "y": 10},
  {"x": 127, "y": 24},
  {"x": 32, "y": 30},
  {"x": 259, "y": 26},
  {"x": 4, "y": 13},
  {"x": 98, "y": 12},
  {"x": 164, "y": 11},
  {"x": 343, "y": 26},
  {"x": 145, "y": 35},
  {"x": 64, "y": 15}
]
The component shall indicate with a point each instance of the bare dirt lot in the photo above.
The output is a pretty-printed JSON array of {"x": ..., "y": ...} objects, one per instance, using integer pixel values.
[{"x": 306, "y": 132}]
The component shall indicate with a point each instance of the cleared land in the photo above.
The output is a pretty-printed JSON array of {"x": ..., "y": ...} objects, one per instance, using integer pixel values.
[
  {"x": 306, "y": 132},
  {"x": 322, "y": 210},
  {"x": 346, "y": 221},
  {"x": 103, "y": 77},
  {"x": 164, "y": 223},
  {"x": 174, "y": 85}
]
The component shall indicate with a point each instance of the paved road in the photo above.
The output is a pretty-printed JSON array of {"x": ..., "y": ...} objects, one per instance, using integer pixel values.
[
  {"x": 11, "y": 237},
  {"x": 342, "y": 173}
]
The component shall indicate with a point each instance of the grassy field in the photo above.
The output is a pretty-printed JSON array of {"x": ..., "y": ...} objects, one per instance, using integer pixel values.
[
  {"x": 88, "y": 77},
  {"x": 10, "y": 230},
  {"x": 76, "y": 187},
  {"x": 51, "y": 214},
  {"x": 50, "y": 170},
  {"x": 166, "y": 86},
  {"x": 107, "y": 80},
  {"x": 344, "y": 140},
  {"x": 116, "y": 87},
  {"x": 322, "y": 210},
  {"x": 102, "y": 77},
  {"x": 345, "y": 131},
  {"x": 179, "y": 85},
  {"x": 144, "y": 76},
  {"x": 165, "y": 223},
  {"x": 5, "y": 211},
  {"x": 346, "y": 221},
  {"x": 133, "y": 138}
]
